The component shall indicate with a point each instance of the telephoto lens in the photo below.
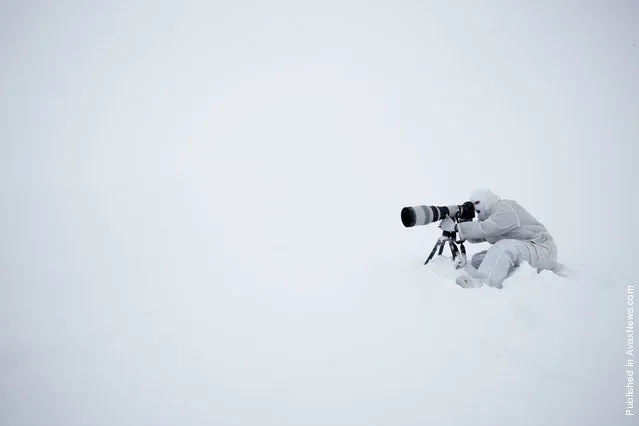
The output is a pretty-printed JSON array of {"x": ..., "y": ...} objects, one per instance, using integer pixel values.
[{"x": 422, "y": 215}]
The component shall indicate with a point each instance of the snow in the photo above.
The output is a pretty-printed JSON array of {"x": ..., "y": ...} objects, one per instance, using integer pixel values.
[{"x": 200, "y": 212}]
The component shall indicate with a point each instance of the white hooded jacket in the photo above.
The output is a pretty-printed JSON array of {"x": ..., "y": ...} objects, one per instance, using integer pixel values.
[{"x": 506, "y": 219}]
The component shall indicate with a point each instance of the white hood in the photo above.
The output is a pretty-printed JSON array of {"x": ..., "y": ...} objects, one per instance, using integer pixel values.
[{"x": 483, "y": 199}]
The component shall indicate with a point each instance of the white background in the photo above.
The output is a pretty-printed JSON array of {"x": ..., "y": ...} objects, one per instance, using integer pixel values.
[{"x": 199, "y": 211}]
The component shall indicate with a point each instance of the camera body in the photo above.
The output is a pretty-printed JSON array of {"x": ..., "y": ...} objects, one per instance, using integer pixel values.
[
  {"x": 423, "y": 215},
  {"x": 466, "y": 212}
]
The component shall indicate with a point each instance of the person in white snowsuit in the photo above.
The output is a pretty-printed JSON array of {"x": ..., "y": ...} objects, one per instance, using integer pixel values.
[{"x": 515, "y": 234}]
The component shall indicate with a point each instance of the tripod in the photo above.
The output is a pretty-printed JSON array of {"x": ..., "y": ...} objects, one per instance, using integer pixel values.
[{"x": 459, "y": 254}]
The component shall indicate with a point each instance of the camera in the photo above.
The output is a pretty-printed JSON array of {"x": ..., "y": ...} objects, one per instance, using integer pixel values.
[{"x": 423, "y": 215}]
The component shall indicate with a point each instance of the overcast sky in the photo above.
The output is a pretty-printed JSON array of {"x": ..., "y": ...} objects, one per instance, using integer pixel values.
[{"x": 157, "y": 153}]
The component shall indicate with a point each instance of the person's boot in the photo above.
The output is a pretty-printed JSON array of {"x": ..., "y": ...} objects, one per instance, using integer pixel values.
[{"x": 465, "y": 281}]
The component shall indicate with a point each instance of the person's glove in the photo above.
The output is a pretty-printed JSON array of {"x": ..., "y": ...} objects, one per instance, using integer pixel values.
[{"x": 447, "y": 224}]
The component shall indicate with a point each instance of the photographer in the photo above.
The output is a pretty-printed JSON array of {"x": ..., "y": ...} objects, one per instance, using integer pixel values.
[{"x": 515, "y": 234}]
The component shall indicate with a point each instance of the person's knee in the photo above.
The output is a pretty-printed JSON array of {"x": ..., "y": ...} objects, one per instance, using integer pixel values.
[
  {"x": 505, "y": 245},
  {"x": 499, "y": 261},
  {"x": 511, "y": 249}
]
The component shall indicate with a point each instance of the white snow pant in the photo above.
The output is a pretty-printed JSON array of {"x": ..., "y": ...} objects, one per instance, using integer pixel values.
[{"x": 494, "y": 265}]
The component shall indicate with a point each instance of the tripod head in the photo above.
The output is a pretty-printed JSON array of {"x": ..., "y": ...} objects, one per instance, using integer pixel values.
[{"x": 450, "y": 235}]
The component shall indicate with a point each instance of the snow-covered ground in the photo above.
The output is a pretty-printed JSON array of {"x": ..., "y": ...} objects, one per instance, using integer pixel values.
[{"x": 200, "y": 211}]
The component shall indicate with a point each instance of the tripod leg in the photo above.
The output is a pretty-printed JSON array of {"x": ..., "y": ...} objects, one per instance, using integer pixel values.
[
  {"x": 432, "y": 253},
  {"x": 462, "y": 257},
  {"x": 453, "y": 249}
]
